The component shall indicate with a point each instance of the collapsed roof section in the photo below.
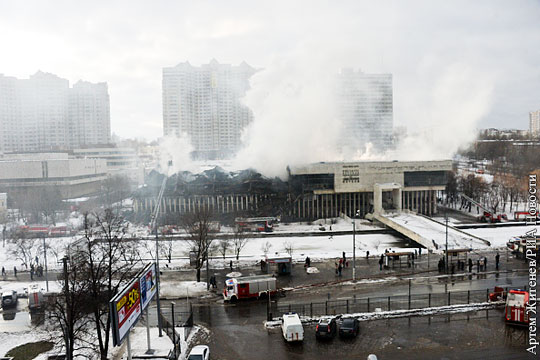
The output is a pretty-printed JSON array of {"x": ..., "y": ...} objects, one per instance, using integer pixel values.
[{"x": 215, "y": 181}]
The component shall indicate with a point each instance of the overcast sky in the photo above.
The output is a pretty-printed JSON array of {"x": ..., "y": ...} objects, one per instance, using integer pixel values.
[{"x": 492, "y": 46}]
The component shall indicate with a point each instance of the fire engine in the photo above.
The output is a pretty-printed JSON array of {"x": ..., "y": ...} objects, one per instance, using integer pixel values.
[
  {"x": 249, "y": 287},
  {"x": 259, "y": 224},
  {"x": 515, "y": 309}
]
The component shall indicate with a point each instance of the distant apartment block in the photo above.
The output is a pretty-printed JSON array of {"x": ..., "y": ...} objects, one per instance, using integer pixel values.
[
  {"x": 205, "y": 103},
  {"x": 365, "y": 109},
  {"x": 44, "y": 113},
  {"x": 534, "y": 123}
]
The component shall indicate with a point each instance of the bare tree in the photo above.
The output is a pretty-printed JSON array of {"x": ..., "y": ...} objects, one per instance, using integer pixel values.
[
  {"x": 68, "y": 311},
  {"x": 108, "y": 260},
  {"x": 197, "y": 226},
  {"x": 289, "y": 248},
  {"x": 224, "y": 245},
  {"x": 25, "y": 249},
  {"x": 266, "y": 248},
  {"x": 115, "y": 189},
  {"x": 239, "y": 240}
]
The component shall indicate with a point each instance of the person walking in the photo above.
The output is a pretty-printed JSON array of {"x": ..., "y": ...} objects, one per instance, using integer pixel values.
[
  {"x": 381, "y": 261},
  {"x": 452, "y": 269},
  {"x": 230, "y": 264},
  {"x": 485, "y": 263},
  {"x": 470, "y": 265},
  {"x": 15, "y": 271},
  {"x": 497, "y": 258},
  {"x": 367, "y": 255},
  {"x": 419, "y": 252},
  {"x": 339, "y": 270},
  {"x": 344, "y": 258},
  {"x": 478, "y": 265},
  {"x": 3, "y": 271}
]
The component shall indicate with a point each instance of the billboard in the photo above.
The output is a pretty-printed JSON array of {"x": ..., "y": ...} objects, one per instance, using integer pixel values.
[
  {"x": 125, "y": 310},
  {"x": 147, "y": 284}
]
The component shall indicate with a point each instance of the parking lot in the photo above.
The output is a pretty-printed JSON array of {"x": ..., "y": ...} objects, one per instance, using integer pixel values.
[{"x": 237, "y": 332}]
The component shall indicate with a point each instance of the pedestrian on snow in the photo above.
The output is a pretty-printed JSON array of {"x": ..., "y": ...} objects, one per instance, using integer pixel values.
[
  {"x": 330, "y": 227},
  {"x": 452, "y": 269},
  {"x": 230, "y": 264},
  {"x": 344, "y": 257},
  {"x": 419, "y": 251},
  {"x": 3, "y": 271},
  {"x": 415, "y": 254},
  {"x": 308, "y": 261},
  {"x": 367, "y": 255},
  {"x": 497, "y": 258},
  {"x": 470, "y": 265},
  {"x": 32, "y": 272},
  {"x": 485, "y": 263},
  {"x": 339, "y": 270},
  {"x": 477, "y": 265},
  {"x": 15, "y": 271},
  {"x": 381, "y": 261}
]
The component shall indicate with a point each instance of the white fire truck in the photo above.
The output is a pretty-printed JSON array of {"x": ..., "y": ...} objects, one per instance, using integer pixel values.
[{"x": 249, "y": 287}]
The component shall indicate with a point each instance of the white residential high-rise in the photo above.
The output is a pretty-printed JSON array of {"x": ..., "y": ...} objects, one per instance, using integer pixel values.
[
  {"x": 534, "y": 123},
  {"x": 89, "y": 114},
  {"x": 365, "y": 108},
  {"x": 204, "y": 102},
  {"x": 44, "y": 113}
]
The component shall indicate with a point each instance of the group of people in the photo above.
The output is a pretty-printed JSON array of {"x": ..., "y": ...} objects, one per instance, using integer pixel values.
[
  {"x": 340, "y": 264},
  {"x": 481, "y": 264},
  {"x": 34, "y": 270}
]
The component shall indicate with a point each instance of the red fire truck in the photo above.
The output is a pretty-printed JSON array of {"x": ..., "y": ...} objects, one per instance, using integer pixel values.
[
  {"x": 249, "y": 287},
  {"x": 515, "y": 310}
]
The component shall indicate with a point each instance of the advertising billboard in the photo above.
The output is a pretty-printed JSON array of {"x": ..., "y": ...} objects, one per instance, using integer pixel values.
[
  {"x": 126, "y": 307},
  {"x": 147, "y": 284}
]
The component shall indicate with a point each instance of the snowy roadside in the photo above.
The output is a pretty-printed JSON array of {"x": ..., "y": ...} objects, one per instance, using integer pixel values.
[{"x": 378, "y": 315}]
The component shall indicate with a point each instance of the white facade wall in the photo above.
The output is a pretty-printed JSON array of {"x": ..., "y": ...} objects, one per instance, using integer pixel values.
[
  {"x": 204, "y": 103},
  {"x": 534, "y": 123},
  {"x": 44, "y": 113},
  {"x": 365, "y": 109},
  {"x": 62, "y": 169}
]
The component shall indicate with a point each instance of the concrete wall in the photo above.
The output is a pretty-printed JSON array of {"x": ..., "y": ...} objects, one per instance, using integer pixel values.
[{"x": 362, "y": 176}]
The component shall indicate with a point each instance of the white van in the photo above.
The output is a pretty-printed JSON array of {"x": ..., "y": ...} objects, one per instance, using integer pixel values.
[
  {"x": 35, "y": 297},
  {"x": 292, "y": 328}
]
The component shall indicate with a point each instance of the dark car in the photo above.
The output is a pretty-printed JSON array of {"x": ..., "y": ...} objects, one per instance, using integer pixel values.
[
  {"x": 9, "y": 299},
  {"x": 349, "y": 327},
  {"x": 326, "y": 329}
]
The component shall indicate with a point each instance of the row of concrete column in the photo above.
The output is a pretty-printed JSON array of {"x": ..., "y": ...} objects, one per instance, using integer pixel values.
[
  {"x": 216, "y": 203},
  {"x": 422, "y": 201},
  {"x": 332, "y": 205}
]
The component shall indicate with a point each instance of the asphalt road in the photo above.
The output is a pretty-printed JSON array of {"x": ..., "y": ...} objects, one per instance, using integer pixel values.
[{"x": 237, "y": 332}]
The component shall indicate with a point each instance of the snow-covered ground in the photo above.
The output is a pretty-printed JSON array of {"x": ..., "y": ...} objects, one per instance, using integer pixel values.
[{"x": 436, "y": 232}]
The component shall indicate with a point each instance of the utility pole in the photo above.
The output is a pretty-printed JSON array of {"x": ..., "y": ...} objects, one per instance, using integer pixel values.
[
  {"x": 207, "y": 266},
  {"x": 446, "y": 260},
  {"x": 354, "y": 245},
  {"x": 68, "y": 310},
  {"x": 45, "y": 256}
]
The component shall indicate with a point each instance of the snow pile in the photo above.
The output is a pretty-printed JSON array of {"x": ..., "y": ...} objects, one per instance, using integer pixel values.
[
  {"x": 178, "y": 289},
  {"x": 312, "y": 270},
  {"x": 234, "y": 274},
  {"x": 441, "y": 310}
]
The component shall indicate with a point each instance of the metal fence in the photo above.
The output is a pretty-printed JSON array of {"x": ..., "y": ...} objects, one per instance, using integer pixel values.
[
  {"x": 387, "y": 303},
  {"x": 171, "y": 321}
]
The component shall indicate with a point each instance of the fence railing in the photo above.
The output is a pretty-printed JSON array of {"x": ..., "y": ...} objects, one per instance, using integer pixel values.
[
  {"x": 170, "y": 324},
  {"x": 384, "y": 303}
]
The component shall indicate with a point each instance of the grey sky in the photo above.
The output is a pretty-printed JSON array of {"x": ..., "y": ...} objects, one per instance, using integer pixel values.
[{"x": 127, "y": 43}]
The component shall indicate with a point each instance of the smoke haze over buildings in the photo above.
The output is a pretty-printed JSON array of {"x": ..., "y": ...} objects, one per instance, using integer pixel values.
[{"x": 456, "y": 66}]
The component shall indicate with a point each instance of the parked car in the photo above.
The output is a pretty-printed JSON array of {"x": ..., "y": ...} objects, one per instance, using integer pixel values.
[
  {"x": 349, "y": 327},
  {"x": 9, "y": 299},
  {"x": 292, "y": 328},
  {"x": 326, "y": 329},
  {"x": 199, "y": 352}
]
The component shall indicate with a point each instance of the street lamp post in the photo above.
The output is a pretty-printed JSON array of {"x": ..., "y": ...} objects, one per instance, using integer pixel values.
[
  {"x": 446, "y": 247},
  {"x": 354, "y": 245}
]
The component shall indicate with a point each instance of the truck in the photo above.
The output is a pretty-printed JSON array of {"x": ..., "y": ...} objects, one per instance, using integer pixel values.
[
  {"x": 247, "y": 287},
  {"x": 515, "y": 309},
  {"x": 292, "y": 328},
  {"x": 35, "y": 297}
]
